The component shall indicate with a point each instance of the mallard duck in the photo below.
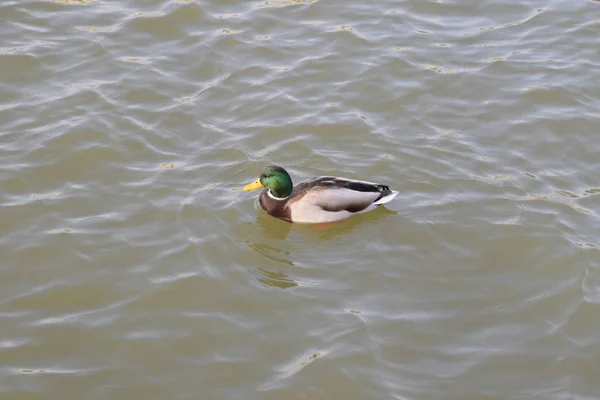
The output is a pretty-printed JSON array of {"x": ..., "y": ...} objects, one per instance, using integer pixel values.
[{"x": 318, "y": 200}]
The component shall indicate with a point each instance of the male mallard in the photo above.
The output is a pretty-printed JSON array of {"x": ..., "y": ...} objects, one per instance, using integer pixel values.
[{"x": 317, "y": 200}]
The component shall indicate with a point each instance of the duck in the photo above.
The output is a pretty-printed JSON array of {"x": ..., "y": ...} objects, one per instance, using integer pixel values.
[{"x": 322, "y": 199}]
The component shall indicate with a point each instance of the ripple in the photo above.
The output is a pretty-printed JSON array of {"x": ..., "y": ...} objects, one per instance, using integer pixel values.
[
  {"x": 276, "y": 3},
  {"x": 76, "y": 1},
  {"x": 96, "y": 29}
]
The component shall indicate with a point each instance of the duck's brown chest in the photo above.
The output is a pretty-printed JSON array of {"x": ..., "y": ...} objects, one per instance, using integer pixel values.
[{"x": 276, "y": 208}]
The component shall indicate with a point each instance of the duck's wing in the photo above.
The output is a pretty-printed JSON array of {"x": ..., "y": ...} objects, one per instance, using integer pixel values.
[{"x": 335, "y": 194}]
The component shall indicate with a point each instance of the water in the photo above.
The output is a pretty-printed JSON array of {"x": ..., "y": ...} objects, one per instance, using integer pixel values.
[{"x": 131, "y": 268}]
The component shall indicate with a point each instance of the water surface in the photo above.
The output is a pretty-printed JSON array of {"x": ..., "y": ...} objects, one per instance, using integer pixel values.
[{"x": 130, "y": 268}]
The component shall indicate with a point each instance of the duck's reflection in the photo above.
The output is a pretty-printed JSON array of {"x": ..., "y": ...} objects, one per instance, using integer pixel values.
[
  {"x": 276, "y": 279},
  {"x": 277, "y": 241},
  {"x": 269, "y": 240}
]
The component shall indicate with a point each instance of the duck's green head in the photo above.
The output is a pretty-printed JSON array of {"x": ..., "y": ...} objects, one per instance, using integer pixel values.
[{"x": 274, "y": 178}]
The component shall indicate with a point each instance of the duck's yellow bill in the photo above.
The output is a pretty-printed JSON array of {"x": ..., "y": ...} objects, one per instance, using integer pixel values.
[{"x": 253, "y": 186}]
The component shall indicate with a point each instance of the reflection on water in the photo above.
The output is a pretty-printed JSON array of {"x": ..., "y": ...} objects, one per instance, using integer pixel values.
[
  {"x": 266, "y": 251},
  {"x": 273, "y": 237},
  {"x": 273, "y": 228},
  {"x": 276, "y": 279}
]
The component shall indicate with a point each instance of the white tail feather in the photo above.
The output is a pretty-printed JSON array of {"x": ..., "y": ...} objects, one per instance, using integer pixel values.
[{"x": 386, "y": 199}]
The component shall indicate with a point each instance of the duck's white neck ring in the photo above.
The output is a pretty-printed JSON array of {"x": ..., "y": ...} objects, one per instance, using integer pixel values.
[{"x": 275, "y": 198}]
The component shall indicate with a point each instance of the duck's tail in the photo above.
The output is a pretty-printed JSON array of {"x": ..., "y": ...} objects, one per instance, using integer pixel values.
[{"x": 385, "y": 197}]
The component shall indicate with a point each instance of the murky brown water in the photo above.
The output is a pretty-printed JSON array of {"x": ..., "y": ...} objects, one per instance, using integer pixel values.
[{"x": 131, "y": 269}]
